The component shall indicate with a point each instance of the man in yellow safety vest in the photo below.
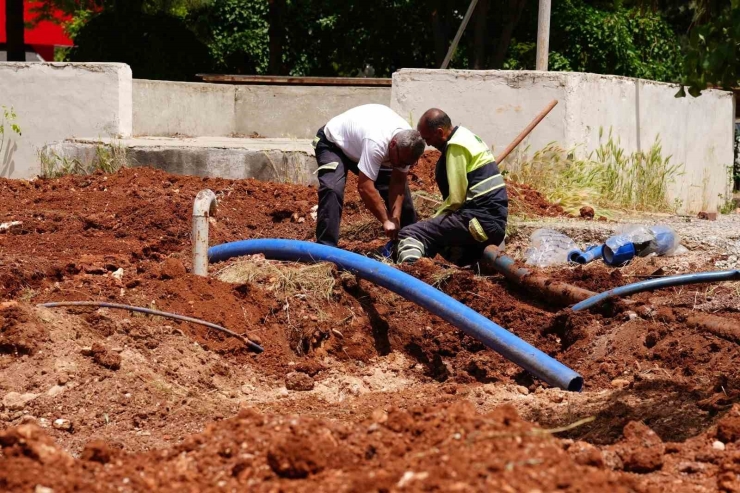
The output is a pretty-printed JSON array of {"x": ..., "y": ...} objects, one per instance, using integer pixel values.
[{"x": 475, "y": 208}]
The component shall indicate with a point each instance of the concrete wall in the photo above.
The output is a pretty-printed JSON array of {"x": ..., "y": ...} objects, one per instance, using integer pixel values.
[
  {"x": 163, "y": 108},
  {"x": 56, "y": 101},
  {"x": 276, "y": 160},
  {"x": 497, "y": 105}
]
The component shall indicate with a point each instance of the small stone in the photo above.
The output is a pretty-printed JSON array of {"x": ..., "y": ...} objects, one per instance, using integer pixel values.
[
  {"x": 118, "y": 274},
  {"x": 4, "y": 417},
  {"x": 587, "y": 212},
  {"x": 172, "y": 268},
  {"x": 522, "y": 389},
  {"x": 630, "y": 315},
  {"x": 43, "y": 422},
  {"x": 55, "y": 391},
  {"x": 86, "y": 351},
  {"x": 620, "y": 383},
  {"x": 62, "y": 424},
  {"x": 62, "y": 379},
  {"x": 709, "y": 216},
  {"x": 717, "y": 445},
  {"x": 298, "y": 381},
  {"x": 42, "y": 489},
  {"x": 379, "y": 416},
  {"x": 28, "y": 419},
  {"x": 556, "y": 397},
  {"x": 105, "y": 358},
  {"x": 13, "y": 401}
]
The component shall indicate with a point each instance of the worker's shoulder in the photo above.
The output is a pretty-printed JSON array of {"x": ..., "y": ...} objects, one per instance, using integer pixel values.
[{"x": 464, "y": 137}]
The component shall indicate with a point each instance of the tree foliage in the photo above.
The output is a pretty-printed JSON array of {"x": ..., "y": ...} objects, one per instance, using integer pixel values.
[
  {"x": 713, "y": 51},
  {"x": 692, "y": 42}
]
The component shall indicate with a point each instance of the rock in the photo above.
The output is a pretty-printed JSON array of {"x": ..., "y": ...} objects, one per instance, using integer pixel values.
[
  {"x": 587, "y": 212},
  {"x": 98, "y": 451},
  {"x": 28, "y": 419},
  {"x": 522, "y": 389},
  {"x": 171, "y": 269},
  {"x": 9, "y": 226},
  {"x": 299, "y": 456},
  {"x": 642, "y": 450},
  {"x": 118, "y": 274},
  {"x": 298, "y": 381},
  {"x": 620, "y": 383},
  {"x": 55, "y": 391},
  {"x": 31, "y": 441},
  {"x": 709, "y": 216},
  {"x": 62, "y": 424},
  {"x": 379, "y": 416},
  {"x": 86, "y": 351},
  {"x": 691, "y": 467},
  {"x": 42, "y": 489},
  {"x": 310, "y": 367},
  {"x": 4, "y": 417},
  {"x": 556, "y": 397},
  {"x": 105, "y": 358},
  {"x": 62, "y": 379},
  {"x": 13, "y": 401},
  {"x": 717, "y": 445},
  {"x": 728, "y": 428},
  {"x": 586, "y": 454}
]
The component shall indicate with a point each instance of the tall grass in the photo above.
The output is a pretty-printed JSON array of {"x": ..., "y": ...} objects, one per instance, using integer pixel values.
[{"x": 607, "y": 178}]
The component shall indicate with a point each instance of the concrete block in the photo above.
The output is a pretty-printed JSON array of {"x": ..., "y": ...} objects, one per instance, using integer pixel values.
[
  {"x": 163, "y": 108},
  {"x": 56, "y": 101},
  {"x": 276, "y": 160}
]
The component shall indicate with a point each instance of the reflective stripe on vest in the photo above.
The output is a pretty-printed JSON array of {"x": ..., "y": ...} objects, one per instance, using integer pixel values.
[{"x": 488, "y": 185}]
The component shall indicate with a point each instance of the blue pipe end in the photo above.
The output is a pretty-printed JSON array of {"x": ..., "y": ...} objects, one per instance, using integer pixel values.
[{"x": 618, "y": 250}]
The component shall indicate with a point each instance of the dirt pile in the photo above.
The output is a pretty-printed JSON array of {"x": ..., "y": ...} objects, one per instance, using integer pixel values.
[
  {"x": 357, "y": 386},
  {"x": 447, "y": 448}
]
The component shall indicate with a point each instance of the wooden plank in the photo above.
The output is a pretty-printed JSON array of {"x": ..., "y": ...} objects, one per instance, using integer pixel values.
[{"x": 295, "y": 81}]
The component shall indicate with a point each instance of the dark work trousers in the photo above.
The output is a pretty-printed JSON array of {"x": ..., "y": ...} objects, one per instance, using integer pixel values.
[
  {"x": 448, "y": 235},
  {"x": 332, "y": 180}
]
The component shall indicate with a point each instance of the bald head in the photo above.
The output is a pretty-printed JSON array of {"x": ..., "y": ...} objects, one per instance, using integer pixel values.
[{"x": 435, "y": 127}]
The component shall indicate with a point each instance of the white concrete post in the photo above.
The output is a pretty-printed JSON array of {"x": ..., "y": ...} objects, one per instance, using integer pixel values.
[
  {"x": 543, "y": 35},
  {"x": 203, "y": 207}
]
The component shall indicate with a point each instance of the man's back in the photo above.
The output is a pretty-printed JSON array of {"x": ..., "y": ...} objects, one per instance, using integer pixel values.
[{"x": 375, "y": 122}]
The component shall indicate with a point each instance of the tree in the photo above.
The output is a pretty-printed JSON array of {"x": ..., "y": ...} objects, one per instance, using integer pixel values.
[
  {"x": 713, "y": 51},
  {"x": 14, "y": 28}
]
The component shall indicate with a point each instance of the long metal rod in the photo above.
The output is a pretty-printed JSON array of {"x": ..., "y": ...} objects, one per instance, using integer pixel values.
[
  {"x": 543, "y": 35},
  {"x": 526, "y": 131},
  {"x": 100, "y": 304},
  {"x": 459, "y": 34}
]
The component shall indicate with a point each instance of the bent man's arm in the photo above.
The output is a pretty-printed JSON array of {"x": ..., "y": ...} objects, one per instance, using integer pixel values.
[{"x": 396, "y": 192}]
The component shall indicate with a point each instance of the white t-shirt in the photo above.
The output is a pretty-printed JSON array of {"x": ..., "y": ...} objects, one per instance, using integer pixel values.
[{"x": 364, "y": 133}]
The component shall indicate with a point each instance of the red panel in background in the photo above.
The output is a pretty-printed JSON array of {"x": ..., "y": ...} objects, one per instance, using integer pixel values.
[{"x": 44, "y": 35}]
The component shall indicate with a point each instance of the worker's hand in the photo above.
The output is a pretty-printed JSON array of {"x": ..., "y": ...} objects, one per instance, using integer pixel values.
[{"x": 391, "y": 228}]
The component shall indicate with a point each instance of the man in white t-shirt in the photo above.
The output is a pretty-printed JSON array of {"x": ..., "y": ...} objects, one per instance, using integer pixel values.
[{"x": 379, "y": 146}]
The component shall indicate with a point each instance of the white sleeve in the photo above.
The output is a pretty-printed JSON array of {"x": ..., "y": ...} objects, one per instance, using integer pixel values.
[{"x": 371, "y": 159}]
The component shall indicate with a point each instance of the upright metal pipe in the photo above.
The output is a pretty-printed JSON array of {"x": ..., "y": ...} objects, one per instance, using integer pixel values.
[{"x": 204, "y": 206}]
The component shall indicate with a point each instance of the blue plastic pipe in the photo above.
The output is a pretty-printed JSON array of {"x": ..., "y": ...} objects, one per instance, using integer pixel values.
[
  {"x": 589, "y": 255},
  {"x": 469, "y": 321},
  {"x": 663, "y": 282}
]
